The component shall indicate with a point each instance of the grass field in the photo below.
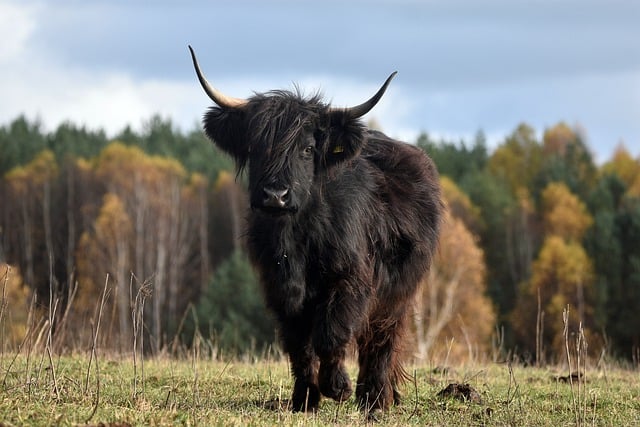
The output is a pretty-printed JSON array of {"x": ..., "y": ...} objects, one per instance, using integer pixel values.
[{"x": 66, "y": 390}]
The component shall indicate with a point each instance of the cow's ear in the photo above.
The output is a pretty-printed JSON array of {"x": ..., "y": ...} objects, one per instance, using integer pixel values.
[
  {"x": 227, "y": 129},
  {"x": 345, "y": 138}
]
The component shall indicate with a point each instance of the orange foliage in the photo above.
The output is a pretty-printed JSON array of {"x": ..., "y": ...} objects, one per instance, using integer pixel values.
[
  {"x": 42, "y": 169},
  {"x": 460, "y": 205},
  {"x": 455, "y": 318},
  {"x": 103, "y": 246},
  {"x": 562, "y": 276},
  {"x": 623, "y": 165},
  {"x": 152, "y": 217},
  {"x": 557, "y": 138},
  {"x": 224, "y": 180},
  {"x": 627, "y": 168},
  {"x": 563, "y": 213},
  {"x": 15, "y": 300},
  {"x": 518, "y": 160}
]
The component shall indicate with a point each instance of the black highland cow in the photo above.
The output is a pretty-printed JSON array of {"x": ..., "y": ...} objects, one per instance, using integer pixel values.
[{"x": 343, "y": 225}]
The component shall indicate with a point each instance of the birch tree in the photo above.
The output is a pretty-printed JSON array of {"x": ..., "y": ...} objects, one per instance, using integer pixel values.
[{"x": 454, "y": 317}]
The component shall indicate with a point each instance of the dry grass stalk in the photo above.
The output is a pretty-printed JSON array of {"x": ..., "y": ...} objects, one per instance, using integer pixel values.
[
  {"x": 53, "y": 308},
  {"x": 94, "y": 354},
  {"x": 137, "y": 314},
  {"x": 579, "y": 393},
  {"x": 3, "y": 305},
  {"x": 539, "y": 333}
]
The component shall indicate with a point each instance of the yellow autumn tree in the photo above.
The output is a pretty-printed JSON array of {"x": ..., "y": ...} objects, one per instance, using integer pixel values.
[
  {"x": 460, "y": 205},
  {"x": 556, "y": 139},
  {"x": 623, "y": 165},
  {"x": 518, "y": 160},
  {"x": 14, "y": 306},
  {"x": 454, "y": 317},
  {"x": 107, "y": 245},
  {"x": 520, "y": 235},
  {"x": 627, "y": 168},
  {"x": 562, "y": 277},
  {"x": 151, "y": 227},
  {"x": 30, "y": 189},
  {"x": 563, "y": 213}
]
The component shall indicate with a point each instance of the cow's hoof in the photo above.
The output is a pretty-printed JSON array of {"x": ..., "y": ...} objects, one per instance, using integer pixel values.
[
  {"x": 335, "y": 383},
  {"x": 305, "y": 398},
  {"x": 372, "y": 399},
  {"x": 374, "y": 416}
]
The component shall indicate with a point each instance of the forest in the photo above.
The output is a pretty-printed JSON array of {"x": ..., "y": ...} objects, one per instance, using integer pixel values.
[{"x": 537, "y": 239}]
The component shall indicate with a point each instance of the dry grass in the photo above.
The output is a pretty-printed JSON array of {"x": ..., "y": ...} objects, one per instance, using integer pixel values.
[
  {"x": 210, "y": 392},
  {"x": 42, "y": 386}
]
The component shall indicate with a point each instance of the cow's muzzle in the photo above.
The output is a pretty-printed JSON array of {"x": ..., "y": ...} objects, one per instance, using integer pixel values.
[{"x": 276, "y": 201}]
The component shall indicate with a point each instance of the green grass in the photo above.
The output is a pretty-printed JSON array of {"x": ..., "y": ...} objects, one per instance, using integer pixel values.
[{"x": 211, "y": 393}]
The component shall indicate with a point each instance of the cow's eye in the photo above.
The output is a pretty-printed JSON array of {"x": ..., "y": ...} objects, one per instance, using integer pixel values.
[{"x": 308, "y": 150}]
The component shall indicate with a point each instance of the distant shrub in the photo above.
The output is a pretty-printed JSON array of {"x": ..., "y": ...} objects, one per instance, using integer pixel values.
[{"x": 231, "y": 310}]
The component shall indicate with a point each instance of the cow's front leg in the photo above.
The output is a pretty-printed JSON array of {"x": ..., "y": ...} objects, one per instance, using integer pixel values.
[
  {"x": 306, "y": 393},
  {"x": 334, "y": 325},
  {"x": 333, "y": 379},
  {"x": 296, "y": 339}
]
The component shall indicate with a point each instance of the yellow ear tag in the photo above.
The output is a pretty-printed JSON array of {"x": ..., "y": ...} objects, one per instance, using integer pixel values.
[{"x": 338, "y": 149}]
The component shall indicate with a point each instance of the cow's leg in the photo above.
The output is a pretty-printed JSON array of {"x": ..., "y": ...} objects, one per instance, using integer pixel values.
[
  {"x": 333, "y": 379},
  {"x": 379, "y": 357},
  {"x": 334, "y": 324},
  {"x": 296, "y": 339}
]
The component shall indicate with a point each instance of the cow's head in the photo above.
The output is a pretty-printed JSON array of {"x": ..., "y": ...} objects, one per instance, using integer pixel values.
[{"x": 286, "y": 139}]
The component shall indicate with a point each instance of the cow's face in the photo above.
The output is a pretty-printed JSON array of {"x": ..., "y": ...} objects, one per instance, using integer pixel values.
[
  {"x": 288, "y": 143},
  {"x": 282, "y": 171}
]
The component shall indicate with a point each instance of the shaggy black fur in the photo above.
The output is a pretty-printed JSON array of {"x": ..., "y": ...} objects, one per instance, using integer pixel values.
[{"x": 342, "y": 258}]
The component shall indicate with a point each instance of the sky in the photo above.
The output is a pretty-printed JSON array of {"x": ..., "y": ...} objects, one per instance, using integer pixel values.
[{"x": 463, "y": 65}]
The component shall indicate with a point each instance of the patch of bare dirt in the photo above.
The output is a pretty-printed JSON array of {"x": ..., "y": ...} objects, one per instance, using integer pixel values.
[
  {"x": 462, "y": 392},
  {"x": 574, "y": 377}
]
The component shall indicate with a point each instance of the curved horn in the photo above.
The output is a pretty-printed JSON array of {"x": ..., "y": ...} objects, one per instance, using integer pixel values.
[
  {"x": 216, "y": 96},
  {"x": 364, "y": 108}
]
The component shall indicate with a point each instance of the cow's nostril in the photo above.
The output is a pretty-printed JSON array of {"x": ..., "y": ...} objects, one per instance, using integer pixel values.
[{"x": 275, "y": 198}]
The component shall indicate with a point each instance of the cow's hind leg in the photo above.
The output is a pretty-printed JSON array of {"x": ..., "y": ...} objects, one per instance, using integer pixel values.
[{"x": 379, "y": 357}]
